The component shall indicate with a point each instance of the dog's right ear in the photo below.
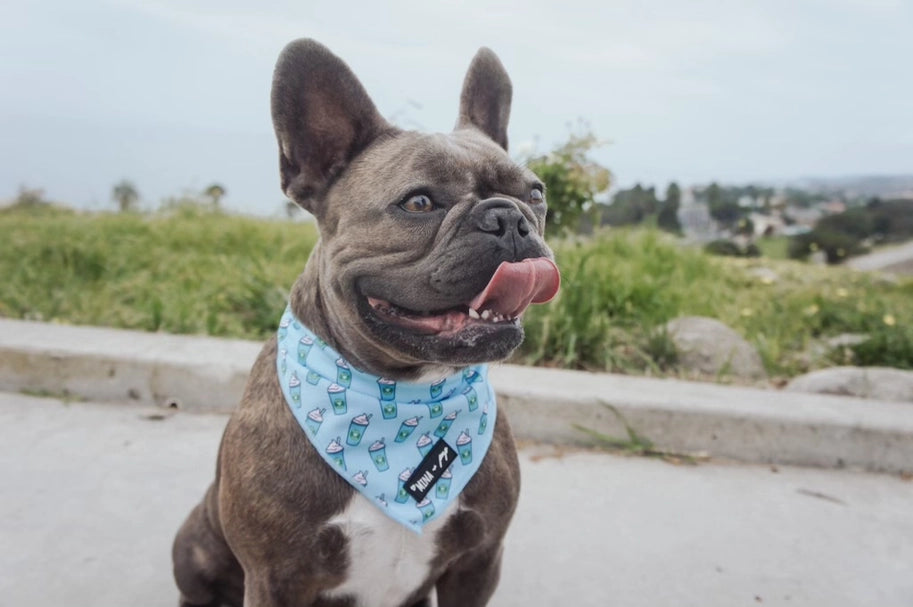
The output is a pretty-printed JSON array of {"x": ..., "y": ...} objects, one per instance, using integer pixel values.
[{"x": 323, "y": 118}]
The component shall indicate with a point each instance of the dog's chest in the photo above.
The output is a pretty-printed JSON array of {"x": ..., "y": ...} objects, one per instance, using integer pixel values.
[{"x": 387, "y": 562}]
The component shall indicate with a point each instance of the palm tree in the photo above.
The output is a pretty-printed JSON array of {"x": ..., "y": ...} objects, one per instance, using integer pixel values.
[
  {"x": 215, "y": 192},
  {"x": 125, "y": 194}
]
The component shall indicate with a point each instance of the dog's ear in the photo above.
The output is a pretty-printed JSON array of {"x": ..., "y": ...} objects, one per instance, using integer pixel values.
[
  {"x": 485, "y": 100},
  {"x": 323, "y": 118}
]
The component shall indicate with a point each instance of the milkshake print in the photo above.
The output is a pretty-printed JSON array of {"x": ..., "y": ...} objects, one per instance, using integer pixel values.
[
  {"x": 381, "y": 500},
  {"x": 483, "y": 420},
  {"x": 314, "y": 420},
  {"x": 357, "y": 429},
  {"x": 388, "y": 408},
  {"x": 361, "y": 477},
  {"x": 378, "y": 453},
  {"x": 472, "y": 398},
  {"x": 437, "y": 388},
  {"x": 283, "y": 328},
  {"x": 435, "y": 409},
  {"x": 304, "y": 346},
  {"x": 407, "y": 428},
  {"x": 337, "y": 396},
  {"x": 343, "y": 373},
  {"x": 337, "y": 453},
  {"x": 283, "y": 362},
  {"x": 424, "y": 444},
  {"x": 471, "y": 376},
  {"x": 312, "y": 377},
  {"x": 464, "y": 446},
  {"x": 445, "y": 424},
  {"x": 387, "y": 389},
  {"x": 294, "y": 389},
  {"x": 442, "y": 488},
  {"x": 426, "y": 508},
  {"x": 401, "y": 495}
]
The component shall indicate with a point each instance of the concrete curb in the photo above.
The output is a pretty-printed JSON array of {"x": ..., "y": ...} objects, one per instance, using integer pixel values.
[{"x": 544, "y": 405}]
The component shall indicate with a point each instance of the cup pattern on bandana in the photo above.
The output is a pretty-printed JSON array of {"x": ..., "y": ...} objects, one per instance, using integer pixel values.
[{"x": 374, "y": 432}]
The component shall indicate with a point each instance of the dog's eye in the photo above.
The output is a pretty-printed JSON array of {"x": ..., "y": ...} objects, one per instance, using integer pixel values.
[
  {"x": 536, "y": 196},
  {"x": 420, "y": 203}
]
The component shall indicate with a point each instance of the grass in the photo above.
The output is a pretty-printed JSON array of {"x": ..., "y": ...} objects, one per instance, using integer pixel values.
[
  {"x": 774, "y": 247},
  {"x": 196, "y": 271},
  {"x": 621, "y": 288},
  {"x": 188, "y": 271}
]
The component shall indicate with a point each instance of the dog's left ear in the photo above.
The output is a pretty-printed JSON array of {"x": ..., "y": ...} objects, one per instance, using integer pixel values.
[
  {"x": 323, "y": 119},
  {"x": 485, "y": 100}
]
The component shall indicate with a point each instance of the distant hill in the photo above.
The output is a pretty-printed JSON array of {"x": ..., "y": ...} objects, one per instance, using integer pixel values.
[{"x": 862, "y": 186}]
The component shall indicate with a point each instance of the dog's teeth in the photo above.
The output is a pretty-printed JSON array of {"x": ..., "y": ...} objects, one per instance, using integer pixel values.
[
  {"x": 473, "y": 314},
  {"x": 486, "y": 314}
]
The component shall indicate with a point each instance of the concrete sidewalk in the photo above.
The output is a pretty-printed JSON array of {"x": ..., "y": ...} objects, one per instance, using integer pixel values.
[
  {"x": 92, "y": 494},
  {"x": 545, "y": 405}
]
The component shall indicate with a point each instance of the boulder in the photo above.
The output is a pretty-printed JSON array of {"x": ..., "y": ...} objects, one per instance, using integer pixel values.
[
  {"x": 707, "y": 347},
  {"x": 765, "y": 275},
  {"x": 880, "y": 383}
]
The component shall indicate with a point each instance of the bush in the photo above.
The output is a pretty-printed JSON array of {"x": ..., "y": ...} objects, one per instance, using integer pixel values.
[
  {"x": 886, "y": 347},
  {"x": 837, "y": 246},
  {"x": 723, "y": 247},
  {"x": 728, "y": 248},
  {"x": 572, "y": 182},
  {"x": 841, "y": 235}
]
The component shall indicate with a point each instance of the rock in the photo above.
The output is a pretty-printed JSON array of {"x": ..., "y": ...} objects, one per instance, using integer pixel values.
[
  {"x": 823, "y": 351},
  {"x": 765, "y": 275},
  {"x": 708, "y": 347},
  {"x": 880, "y": 383},
  {"x": 846, "y": 339}
]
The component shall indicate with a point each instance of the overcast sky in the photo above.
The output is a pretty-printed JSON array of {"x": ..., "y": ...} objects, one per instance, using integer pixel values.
[{"x": 174, "y": 94}]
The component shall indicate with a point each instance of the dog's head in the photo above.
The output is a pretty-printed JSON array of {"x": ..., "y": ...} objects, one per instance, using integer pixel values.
[{"x": 431, "y": 245}]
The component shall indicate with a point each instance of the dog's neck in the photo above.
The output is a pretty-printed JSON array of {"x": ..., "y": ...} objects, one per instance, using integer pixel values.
[{"x": 308, "y": 306}]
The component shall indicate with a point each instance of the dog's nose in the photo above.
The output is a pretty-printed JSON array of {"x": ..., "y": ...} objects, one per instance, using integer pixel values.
[{"x": 500, "y": 218}]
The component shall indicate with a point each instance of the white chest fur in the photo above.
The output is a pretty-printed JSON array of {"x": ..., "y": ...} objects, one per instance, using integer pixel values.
[{"x": 387, "y": 562}]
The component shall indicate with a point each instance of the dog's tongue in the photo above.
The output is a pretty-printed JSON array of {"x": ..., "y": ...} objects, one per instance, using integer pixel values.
[{"x": 515, "y": 285}]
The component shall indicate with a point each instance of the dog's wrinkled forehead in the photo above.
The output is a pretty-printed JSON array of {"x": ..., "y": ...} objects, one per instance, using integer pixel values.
[{"x": 464, "y": 160}]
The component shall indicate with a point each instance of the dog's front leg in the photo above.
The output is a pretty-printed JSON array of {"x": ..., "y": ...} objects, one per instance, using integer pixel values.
[
  {"x": 470, "y": 580},
  {"x": 276, "y": 588}
]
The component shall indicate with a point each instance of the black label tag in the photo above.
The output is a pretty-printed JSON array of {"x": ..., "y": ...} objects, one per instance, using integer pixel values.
[{"x": 430, "y": 470}]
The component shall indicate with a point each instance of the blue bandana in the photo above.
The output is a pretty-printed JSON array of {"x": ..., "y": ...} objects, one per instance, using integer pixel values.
[{"x": 410, "y": 448}]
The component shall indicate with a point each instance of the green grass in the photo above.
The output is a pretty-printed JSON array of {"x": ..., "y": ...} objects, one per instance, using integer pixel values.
[
  {"x": 193, "y": 271},
  {"x": 620, "y": 289},
  {"x": 774, "y": 247},
  {"x": 188, "y": 271}
]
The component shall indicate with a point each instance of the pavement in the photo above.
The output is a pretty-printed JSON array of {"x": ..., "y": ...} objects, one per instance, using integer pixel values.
[
  {"x": 896, "y": 259},
  {"x": 91, "y": 495}
]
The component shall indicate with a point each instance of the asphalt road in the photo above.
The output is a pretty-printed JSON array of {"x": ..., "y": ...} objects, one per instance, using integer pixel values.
[
  {"x": 898, "y": 259},
  {"x": 91, "y": 495}
]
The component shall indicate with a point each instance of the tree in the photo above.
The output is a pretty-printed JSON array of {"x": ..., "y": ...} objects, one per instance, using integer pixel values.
[
  {"x": 30, "y": 197},
  {"x": 215, "y": 192},
  {"x": 125, "y": 194},
  {"x": 668, "y": 212},
  {"x": 722, "y": 207},
  {"x": 572, "y": 181},
  {"x": 673, "y": 194},
  {"x": 631, "y": 206}
]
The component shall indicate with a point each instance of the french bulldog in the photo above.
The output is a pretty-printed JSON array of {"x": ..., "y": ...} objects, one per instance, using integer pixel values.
[{"x": 431, "y": 247}]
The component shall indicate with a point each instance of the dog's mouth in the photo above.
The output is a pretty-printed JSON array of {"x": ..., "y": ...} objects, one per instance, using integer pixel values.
[{"x": 512, "y": 289}]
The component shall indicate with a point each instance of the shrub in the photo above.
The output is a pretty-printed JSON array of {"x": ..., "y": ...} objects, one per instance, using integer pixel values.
[
  {"x": 886, "y": 347},
  {"x": 572, "y": 180},
  {"x": 729, "y": 248}
]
